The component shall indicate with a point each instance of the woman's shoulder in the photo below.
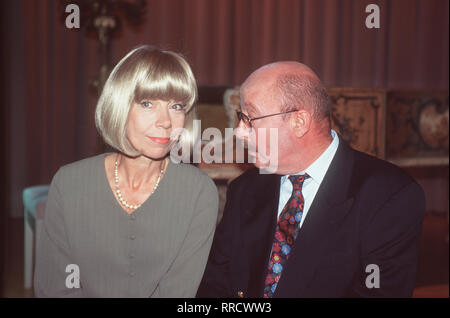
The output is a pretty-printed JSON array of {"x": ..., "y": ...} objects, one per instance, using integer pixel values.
[
  {"x": 82, "y": 170},
  {"x": 85, "y": 164},
  {"x": 191, "y": 175},
  {"x": 191, "y": 183}
]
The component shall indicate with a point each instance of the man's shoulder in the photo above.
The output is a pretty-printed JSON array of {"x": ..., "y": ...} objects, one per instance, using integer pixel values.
[
  {"x": 378, "y": 173},
  {"x": 248, "y": 174},
  {"x": 379, "y": 167},
  {"x": 252, "y": 177}
]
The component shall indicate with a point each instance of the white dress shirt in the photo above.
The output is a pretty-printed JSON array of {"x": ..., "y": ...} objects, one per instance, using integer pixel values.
[{"x": 316, "y": 171}]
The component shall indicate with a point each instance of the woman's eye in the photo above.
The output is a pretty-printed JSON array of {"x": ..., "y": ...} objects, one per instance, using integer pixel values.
[
  {"x": 178, "y": 107},
  {"x": 146, "y": 104}
]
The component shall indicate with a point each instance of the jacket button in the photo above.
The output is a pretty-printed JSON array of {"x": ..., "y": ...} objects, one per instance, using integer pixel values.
[{"x": 240, "y": 294}]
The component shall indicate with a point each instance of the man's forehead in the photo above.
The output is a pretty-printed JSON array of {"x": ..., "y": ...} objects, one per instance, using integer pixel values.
[
  {"x": 258, "y": 98},
  {"x": 248, "y": 106},
  {"x": 257, "y": 88}
]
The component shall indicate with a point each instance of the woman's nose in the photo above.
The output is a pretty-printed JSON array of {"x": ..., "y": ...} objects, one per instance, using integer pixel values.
[{"x": 164, "y": 119}]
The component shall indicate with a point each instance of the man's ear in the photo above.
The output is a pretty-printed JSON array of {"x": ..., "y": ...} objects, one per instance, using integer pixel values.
[{"x": 300, "y": 122}]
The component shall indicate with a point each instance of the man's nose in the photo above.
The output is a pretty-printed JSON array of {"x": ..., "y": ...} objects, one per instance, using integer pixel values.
[{"x": 242, "y": 131}]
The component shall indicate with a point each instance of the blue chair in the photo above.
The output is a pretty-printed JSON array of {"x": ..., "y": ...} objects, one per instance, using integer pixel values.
[{"x": 33, "y": 198}]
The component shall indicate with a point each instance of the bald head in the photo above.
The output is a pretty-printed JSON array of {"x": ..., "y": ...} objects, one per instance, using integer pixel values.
[
  {"x": 270, "y": 72},
  {"x": 295, "y": 85}
]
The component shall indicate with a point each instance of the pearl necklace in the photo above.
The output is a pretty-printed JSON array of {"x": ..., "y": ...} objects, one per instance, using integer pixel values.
[{"x": 119, "y": 194}]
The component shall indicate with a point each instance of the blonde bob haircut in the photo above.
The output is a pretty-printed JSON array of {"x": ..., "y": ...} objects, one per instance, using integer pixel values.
[{"x": 144, "y": 73}]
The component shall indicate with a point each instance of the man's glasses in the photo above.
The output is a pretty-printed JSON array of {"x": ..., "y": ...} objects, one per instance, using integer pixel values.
[{"x": 248, "y": 120}]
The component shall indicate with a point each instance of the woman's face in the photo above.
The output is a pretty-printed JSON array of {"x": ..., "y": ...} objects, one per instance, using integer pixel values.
[{"x": 150, "y": 125}]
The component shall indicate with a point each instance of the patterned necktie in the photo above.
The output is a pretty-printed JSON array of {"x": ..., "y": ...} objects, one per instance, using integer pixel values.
[{"x": 285, "y": 233}]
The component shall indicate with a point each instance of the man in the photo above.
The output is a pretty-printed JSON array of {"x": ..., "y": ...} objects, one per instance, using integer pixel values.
[{"x": 330, "y": 222}]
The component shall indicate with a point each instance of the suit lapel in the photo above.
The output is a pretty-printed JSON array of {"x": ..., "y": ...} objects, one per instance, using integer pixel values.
[
  {"x": 258, "y": 225},
  {"x": 331, "y": 203}
]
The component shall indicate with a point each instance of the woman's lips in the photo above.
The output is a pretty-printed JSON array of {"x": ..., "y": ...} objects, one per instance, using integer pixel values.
[{"x": 160, "y": 140}]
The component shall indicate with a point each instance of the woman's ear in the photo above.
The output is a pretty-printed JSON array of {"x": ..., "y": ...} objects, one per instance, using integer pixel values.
[{"x": 300, "y": 122}]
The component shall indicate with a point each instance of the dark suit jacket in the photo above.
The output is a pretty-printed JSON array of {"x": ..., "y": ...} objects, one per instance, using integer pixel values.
[{"x": 366, "y": 211}]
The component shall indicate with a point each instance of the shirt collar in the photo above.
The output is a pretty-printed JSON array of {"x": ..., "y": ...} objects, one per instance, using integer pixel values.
[{"x": 320, "y": 166}]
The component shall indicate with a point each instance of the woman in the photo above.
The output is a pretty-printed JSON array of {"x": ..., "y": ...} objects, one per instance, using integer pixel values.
[{"x": 132, "y": 223}]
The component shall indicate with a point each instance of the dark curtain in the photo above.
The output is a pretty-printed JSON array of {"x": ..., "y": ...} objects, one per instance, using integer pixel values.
[
  {"x": 51, "y": 108},
  {"x": 226, "y": 40},
  {"x": 4, "y": 159}
]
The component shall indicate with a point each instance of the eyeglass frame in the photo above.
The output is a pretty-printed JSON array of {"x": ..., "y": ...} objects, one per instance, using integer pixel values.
[{"x": 241, "y": 115}]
